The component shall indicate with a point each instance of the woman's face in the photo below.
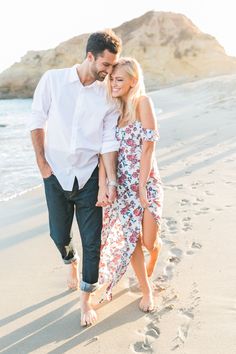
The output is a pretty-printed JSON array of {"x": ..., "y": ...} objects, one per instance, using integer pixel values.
[{"x": 120, "y": 83}]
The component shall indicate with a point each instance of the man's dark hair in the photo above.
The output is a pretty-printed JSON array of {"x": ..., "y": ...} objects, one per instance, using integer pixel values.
[{"x": 100, "y": 41}]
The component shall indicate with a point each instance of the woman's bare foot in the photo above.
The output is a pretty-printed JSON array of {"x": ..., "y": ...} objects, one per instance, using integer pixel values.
[
  {"x": 147, "y": 302},
  {"x": 73, "y": 277},
  {"x": 153, "y": 258},
  {"x": 88, "y": 315}
]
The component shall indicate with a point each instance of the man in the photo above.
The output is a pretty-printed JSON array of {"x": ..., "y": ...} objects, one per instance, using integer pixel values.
[{"x": 71, "y": 124}]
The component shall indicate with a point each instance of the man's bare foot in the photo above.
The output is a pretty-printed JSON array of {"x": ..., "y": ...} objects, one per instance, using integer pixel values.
[
  {"x": 147, "y": 302},
  {"x": 153, "y": 258},
  {"x": 88, "y": 315},
  {"x": 73, "y": 277}
]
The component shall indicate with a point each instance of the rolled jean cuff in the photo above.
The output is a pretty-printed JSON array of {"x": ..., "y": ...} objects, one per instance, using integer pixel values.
[
  {"x": 88, "y": 288},
  {"x": 73, "y": 259}
]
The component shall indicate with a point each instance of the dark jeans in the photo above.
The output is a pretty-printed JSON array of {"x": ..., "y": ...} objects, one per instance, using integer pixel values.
[{"x": 61, "y": 208}]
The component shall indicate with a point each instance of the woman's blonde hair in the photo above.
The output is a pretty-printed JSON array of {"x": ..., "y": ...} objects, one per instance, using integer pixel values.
[{"x": 133, "y": 69}]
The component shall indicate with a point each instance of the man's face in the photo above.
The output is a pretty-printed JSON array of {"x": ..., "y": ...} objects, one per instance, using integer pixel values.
[{"x": 103, "y": 65}]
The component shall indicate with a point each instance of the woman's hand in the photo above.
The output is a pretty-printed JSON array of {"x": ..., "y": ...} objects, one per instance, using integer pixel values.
[
  {"x": 143, "y": 197},
  {"x": 102, "y": 199},
  {"x": 112, "y": 194}
]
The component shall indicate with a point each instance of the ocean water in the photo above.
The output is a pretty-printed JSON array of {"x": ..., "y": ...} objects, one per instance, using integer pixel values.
[{"x": 18, "y": 169}]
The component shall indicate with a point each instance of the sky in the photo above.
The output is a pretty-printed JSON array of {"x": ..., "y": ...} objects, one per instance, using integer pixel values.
[{"x": 42, "y": 24}]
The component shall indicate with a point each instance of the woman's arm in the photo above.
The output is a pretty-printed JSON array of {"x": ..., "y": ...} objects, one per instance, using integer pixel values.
[
  {"x": 148, "y": 120},
  {"x": 102, "y": 199}
]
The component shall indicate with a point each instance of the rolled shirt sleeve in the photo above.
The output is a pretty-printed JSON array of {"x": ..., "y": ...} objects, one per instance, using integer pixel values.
[
  {"x": 41, "y": 104},
  {"x": 109, "y": 141}
]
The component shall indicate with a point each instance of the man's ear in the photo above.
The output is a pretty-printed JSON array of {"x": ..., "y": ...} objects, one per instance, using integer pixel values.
[{"x": 90, "y": 56}]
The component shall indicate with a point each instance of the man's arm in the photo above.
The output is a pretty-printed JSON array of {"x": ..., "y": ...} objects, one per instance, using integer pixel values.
[
  {"x": 37, "y": 122},
  {"x": 37, "y": 137}
]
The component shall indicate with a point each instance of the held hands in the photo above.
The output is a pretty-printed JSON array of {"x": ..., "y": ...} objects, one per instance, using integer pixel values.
[
  {"x": 106, "y": 194},
  {"x": 143, "y": 197}
]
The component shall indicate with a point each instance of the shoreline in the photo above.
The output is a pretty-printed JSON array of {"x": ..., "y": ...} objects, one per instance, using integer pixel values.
[{"x": 17, "y": 195}]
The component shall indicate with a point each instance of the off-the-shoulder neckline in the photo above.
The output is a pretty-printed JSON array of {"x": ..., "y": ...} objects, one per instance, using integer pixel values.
[{"x": 129, "y": 125}]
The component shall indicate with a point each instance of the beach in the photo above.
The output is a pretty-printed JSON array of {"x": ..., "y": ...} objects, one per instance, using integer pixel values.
[
  {"x": 17, "y": 160},
  {"x": 194, "y": 282}
]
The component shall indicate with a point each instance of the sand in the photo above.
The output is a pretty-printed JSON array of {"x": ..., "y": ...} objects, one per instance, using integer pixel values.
[{"x": 195, "y": 280}]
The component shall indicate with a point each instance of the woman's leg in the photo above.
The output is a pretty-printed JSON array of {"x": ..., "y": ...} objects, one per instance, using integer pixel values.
[
  {"x": 139, "y": 266},
  {"x": 150, "y": 240}
]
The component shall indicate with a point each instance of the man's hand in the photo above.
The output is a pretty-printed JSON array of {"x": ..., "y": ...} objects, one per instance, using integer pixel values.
[{"x": 45, "y": 169}]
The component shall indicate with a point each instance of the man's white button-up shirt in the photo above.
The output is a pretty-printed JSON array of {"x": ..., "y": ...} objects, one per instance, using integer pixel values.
[{"x": 79, "y": 124}]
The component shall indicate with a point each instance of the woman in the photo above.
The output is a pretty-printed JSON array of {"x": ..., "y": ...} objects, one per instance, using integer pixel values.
[{"x": 134, "y": 218}]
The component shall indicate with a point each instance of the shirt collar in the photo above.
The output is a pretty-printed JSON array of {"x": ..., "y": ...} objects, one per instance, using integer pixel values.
[{"x": 73, "y": 77}]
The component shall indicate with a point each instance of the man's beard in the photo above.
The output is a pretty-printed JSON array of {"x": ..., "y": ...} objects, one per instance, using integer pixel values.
[{"x": 100, "y": 76}]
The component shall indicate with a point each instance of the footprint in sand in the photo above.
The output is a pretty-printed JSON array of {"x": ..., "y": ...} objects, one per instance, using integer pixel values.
[
  {"x": 188, "y": 172},
  {"x": 168, "y": 242},
  {"x": 162, "y": 278},
  {"x": 196, "y": 185},
  {"x": 202, "y": 211},
  {"x": 186, "y": 223},
  {"x": 185, "y": 202},
  {"x": 169, "y": 299},
  {"x": 175, "y": 255},
  {"x": 182, "y": 211},
  {"x": 182, "y": 334},
  {"x": 209, "y": 193},
  {"x": 187, "y": 218},
  {"x": 187, "y": 315},
  {"x": 176, "y": 252},
  {"x": 205, "y": 209},
  {"x": 157, "y": 288},
  {"x": 174, "y": 186},
  {"x": 187, "y": 312},
  {"x": 228, "y": 182},
  {"x": 168, "y": 271},
  {"x": 153, "y": 331},
  {"x": 174, "y": 259},
  {"x": 200, "y": 200},
  {"x": 187, "y": 226},
  {"x": 142, "y": 347},
  {"x": 171, "y": 224},
  {"x": 194, "y": 246}
]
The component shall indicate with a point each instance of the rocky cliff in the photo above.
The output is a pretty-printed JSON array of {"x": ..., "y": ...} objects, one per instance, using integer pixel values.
[{"x": 170, "y": 48}]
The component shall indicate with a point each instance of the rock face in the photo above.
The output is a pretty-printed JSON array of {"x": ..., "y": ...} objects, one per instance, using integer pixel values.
[{"x": 170, "y": 48}]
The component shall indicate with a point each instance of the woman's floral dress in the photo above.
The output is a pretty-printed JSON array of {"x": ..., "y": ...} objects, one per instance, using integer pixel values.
[{"x": 122, "y": 221}]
